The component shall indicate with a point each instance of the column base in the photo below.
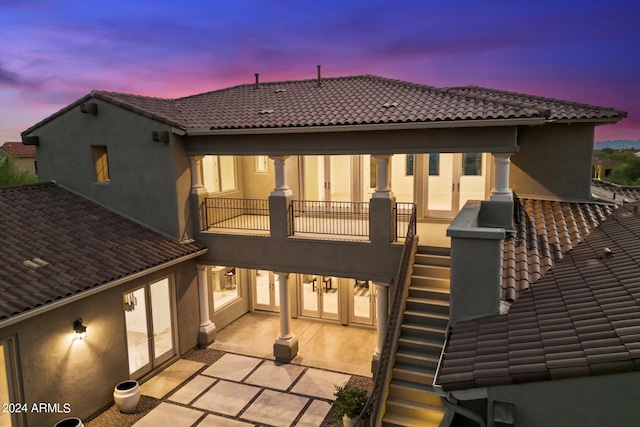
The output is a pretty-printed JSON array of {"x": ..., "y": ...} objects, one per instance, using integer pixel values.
[
  {"x": 375, "y": 362},
  {"x": 502, "y": 197},
  {"x": 207, "y": 334},
  {"x": 285, "y": 350}
]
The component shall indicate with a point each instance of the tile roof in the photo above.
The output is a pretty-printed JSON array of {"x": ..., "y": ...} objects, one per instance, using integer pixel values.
[
  {"x": 581, "y": 319},
  {"x": 615, "y": 193},
  {"x": 557, "y": 109},
  {"x": 545, "y": 231},
  {"x": 18, "y": 149},
  {"x": 57, "y": 244},
  {"x": 355, "y": 100}
]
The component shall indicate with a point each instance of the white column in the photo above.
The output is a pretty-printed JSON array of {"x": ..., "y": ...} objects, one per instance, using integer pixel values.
[
  {"x": 281, "y": 188},
  {"x": 196, "y": 173},
  {"x": 382, "y": 313},
  {"x": 501, "y": 190},
  {"x": 383, "y": 176},
  {"x": 207, "y": 330},
  {"x": 285, "y": 306}
]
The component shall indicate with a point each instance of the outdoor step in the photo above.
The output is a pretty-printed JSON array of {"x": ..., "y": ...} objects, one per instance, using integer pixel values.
[
  {"x": 419, "y": 359},
  {"x": 439, "y": 271},
  {"x": 426, "y": 319},
  {"x": 414, "y": 373},
  {"x": 429, "y": 293},
  {"x": 408, "y": 412},
  {"x": 420, "y": 393},
  {"x": 424, "y": 259},
  {"x": 428, "y": 305},
  {"x": 408, "y": 343},
  {"x": 434, "y": 250},
  {"x": 429, "y": 282},
  {"x": 394, "y": 420},
  {"x": 419, "y": 332}
]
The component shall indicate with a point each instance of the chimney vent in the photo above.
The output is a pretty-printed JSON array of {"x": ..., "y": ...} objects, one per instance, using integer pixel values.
[
  {"x": 319, "y": 75},
  {"x": 257, "y": 81}
]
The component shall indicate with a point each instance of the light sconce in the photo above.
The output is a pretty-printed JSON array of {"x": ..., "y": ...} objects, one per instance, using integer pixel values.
[{"x": 79, "y": 330}]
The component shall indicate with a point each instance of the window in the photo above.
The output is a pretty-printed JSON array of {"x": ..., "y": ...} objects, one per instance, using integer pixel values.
[
  {"x": 261, "y": 164},
  {"x": 472, "y": 164},
  {"x": 409, "y": 165},
  {"x": 434, "y": 164},
  {"x": 100, "y": 162},
  {"x": 373, "y": 175},
  {"x": 219, "y": 173}
]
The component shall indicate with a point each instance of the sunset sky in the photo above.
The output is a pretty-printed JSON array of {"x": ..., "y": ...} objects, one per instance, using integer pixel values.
[{"x": 54, "y": 52}]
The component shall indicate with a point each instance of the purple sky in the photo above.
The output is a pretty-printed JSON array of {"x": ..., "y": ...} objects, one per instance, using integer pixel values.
[{"x": 54, "y": 52}]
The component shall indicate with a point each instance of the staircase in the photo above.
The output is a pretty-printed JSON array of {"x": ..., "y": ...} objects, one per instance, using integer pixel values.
[{"x": 412, "y": 400}]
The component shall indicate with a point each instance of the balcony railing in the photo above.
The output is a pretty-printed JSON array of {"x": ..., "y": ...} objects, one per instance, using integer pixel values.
[
  {"x": 403, "y": 212},
  {"x": 238, "y": 214},
  {"x": 330, "y": 218}
]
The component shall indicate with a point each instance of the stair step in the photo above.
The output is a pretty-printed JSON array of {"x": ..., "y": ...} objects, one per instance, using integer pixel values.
[
  {"x": 422, "y": 333},
  {"x": 420, "y": 412},
  {"x": 429, "y": 282},
  {"x": 409, "y": 343},
  {"x": 439, "y": 271},
  {"x": 428, "y": 305},
  {"x": 414, "y": 373},
  {"x": 427, "y": 360},
  {"x": 424, "y": 259},
  {"x": 429, "y": 293},
  {"x": 434, "y": 250},
  {"x": 394, "y": 420},
  {"x": 430, "y": 320},
  {"x": 408, "y": 390}
]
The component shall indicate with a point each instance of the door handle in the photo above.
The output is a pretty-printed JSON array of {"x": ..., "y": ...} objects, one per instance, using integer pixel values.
[{"x": 458, "y": 187}]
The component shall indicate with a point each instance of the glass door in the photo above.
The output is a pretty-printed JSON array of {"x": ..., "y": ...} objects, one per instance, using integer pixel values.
[
  {"x": 362, "y": 302},
  {"x": 320, "y": 296},
  {"x": 8, "y": 385},
  {"x": 266, "y": 296},
  {"x": 149, "y": 327},
  {"x": 452, "y": 180},
  {"x": 327, "y": 178}
]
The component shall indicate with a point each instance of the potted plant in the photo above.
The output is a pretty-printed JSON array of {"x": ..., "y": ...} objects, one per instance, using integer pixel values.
[
  {"x": 349, "y": 403},
  {"x": 69, "y": 422}
]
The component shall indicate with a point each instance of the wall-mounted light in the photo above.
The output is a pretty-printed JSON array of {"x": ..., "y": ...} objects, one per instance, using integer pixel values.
[{"x": 79, "y": 330}]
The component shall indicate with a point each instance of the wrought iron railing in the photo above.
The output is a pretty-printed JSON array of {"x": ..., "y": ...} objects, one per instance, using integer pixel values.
[
  {"x": 335, "y": 218},
  {"x": 239, "y": 214},
  {"x": 377, "y": 398},
  {"x": 402, "y": 212}
]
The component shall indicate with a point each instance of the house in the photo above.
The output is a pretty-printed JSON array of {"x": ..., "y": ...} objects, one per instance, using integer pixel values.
[
  {"x": 329, "y": 198},
  {"x": 24, "y": 155},
  {"x": 69, "y": 266},
  {"x": 602, "y": 167}
]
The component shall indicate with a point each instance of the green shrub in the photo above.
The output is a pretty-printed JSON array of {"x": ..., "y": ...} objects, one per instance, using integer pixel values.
[
  {"x": 11, "y": 175},
  {"x": 349, "y": 401}
]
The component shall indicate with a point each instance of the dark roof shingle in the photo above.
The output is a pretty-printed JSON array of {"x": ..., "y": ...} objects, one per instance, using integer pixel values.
[
  {"x": 56, "y": 244},
  {"x": 580, "y": 319},
  {"x": 355, "y": 100}
]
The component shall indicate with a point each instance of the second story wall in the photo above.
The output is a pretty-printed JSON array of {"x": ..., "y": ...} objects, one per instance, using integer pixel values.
[
  {"x": 142, "y": 176},
  {"x": 554, "y": 161}
]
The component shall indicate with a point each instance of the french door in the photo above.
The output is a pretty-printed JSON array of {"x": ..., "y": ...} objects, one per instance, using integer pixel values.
[
  {"x": 362, "y": 301},
  {"x": 150, "y": 326},
  {"x": 320, "y": 296},
  {"x": 328, "y": 178},
  {"x": 452, "y": 180},
  {"x": 266, "y": 296}
]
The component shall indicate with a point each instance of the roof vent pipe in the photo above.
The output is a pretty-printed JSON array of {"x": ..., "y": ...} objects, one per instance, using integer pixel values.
[
  {"x": 257, "y": 81},
  {"x": 319, "y": 76}
]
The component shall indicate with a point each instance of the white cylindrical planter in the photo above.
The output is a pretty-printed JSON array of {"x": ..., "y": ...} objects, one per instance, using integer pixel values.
[
  {"x": 349, "y": 422},
  {"x": 69, "y": 422},
  {"x": 127, "y": 395}
]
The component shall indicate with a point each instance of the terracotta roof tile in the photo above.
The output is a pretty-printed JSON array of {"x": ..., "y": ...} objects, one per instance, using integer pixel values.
[
  {"x": 580, "y": 319},
  {"x": 85, "y": 245},
  {"x": 353, "y": 100},
  {"x": 18, "y": 149}
]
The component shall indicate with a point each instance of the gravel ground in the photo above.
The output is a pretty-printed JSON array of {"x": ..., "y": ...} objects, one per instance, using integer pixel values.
[{"x": 114, "y": 418}]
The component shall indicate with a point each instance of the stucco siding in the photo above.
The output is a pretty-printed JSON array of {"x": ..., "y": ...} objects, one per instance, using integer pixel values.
[
  {"x": 143, "y": 178},
  {"x": 553, "y": 161}
]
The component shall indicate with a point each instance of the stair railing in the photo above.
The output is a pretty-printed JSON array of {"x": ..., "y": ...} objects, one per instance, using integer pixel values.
[{"x": 373, "y": 408}]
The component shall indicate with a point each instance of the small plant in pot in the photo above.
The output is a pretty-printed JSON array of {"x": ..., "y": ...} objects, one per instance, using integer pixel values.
[{"x": 349, "y": 403}]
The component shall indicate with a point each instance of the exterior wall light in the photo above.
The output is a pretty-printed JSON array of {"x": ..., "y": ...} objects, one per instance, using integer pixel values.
[{"x": 79, "y": 330}]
